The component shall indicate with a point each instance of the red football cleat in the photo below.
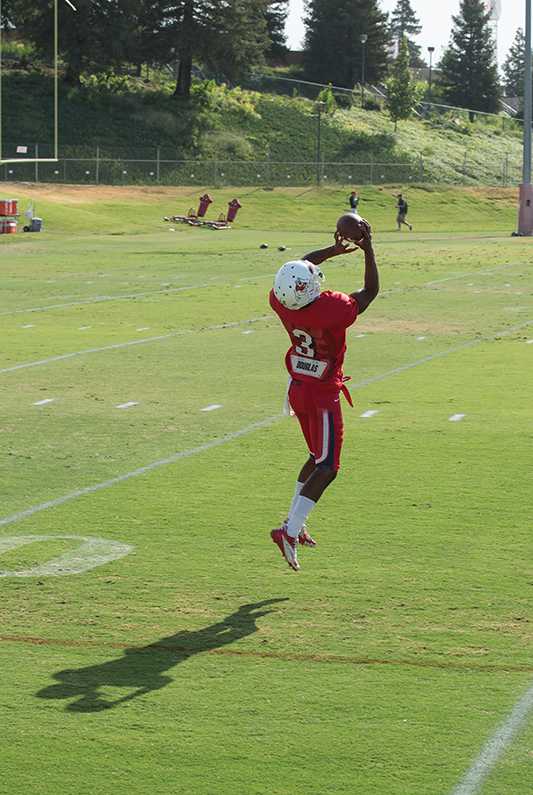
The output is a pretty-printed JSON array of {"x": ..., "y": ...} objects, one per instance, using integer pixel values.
[
  {"x": 305, "y": 539},
  {"x": 287, "y": 547}
]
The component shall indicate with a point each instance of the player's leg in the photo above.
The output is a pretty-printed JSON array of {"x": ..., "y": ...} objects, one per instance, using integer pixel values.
[
  {"x": 288, "y": 545},
  {"x": 328, "y": 432}
]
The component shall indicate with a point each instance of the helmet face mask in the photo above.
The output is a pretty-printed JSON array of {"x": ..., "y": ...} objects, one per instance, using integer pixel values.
[{"x": 298, "y": 284}]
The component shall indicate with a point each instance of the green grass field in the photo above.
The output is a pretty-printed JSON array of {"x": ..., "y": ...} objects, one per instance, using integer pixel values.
[{"x": 198, "y": 663}]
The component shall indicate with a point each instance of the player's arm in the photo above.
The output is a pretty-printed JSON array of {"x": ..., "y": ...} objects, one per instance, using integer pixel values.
[
  {"x": 339, "y": 247},
  {"x": 366, "y": 295}
]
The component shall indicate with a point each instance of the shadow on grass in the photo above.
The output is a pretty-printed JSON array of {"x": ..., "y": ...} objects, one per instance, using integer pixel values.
[{"x": 142, "y": 669}]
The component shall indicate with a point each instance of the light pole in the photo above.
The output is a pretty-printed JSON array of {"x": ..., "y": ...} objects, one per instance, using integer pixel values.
[
  {"x": 320, "y": 106},
  {"x": 431, "y": 50},
  {"x": 525, "y": 218},
  {"x": 363, "y": 39}
]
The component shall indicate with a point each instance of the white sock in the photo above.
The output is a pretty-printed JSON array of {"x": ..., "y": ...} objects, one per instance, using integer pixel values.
[
  {"x": 298, "y": 515},
  {"x": 297, "y": 490}
]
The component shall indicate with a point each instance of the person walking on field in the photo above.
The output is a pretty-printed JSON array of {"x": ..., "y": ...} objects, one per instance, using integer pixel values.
[
  {"x": 316, "y": 323},
  {"x": 403, "y": 209},
  {"x": 353, "y": 200}
]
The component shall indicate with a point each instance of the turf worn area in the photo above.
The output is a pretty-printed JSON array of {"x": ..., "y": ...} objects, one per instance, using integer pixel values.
[{"x": 199, "y": 663}]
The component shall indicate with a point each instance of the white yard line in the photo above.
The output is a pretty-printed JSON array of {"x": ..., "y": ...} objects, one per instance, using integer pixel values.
[
  {"x": 212, "y": 407},
  {"x": 224, "y": 439},
  {"x": 97, "y": 299},
  {"x": 496, "y": 746},
  {"x": 127, "y": 405},
  {"x": 370, "y": 413},
  {"x": 255, "y": 426},
  {"x": 456, "y": 417},
  {"x": 126, "y": 296},
  {"x": 120, "y": 345},
  {"x": 44, "y": 402}
]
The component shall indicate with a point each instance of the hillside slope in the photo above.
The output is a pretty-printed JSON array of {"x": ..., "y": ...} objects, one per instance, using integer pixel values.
[{"x": 128, "y": 118}]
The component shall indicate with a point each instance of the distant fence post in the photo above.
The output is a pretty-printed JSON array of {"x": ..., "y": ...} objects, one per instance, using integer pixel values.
[
  {"x": 215, "y": 172},
  {"x": 421, "y": 168},
  {"x": 158, "y": 163},
  {"x": 97, "y": 165},
  {"x": 371, "y": 169},
  {"x": 465, "y": 162},
  {"x": 36, "y": 162}
]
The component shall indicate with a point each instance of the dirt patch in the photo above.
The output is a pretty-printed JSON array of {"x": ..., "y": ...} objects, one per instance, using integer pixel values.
[{"x": 90, "y": 194}]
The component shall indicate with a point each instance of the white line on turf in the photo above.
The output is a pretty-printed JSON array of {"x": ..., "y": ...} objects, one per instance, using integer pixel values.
[
  {"x": 127, "y": 405},
  {"x": 212, "y": 407},
  {"x": 125, "y": 296},
  {"x": 370, "y": 413},
  {"x": 91, "y": 553},
  {"x": 529, "y": 342},
  {"x": 496, "y": 746},
  {"x": 98, "y": 299},
  {"x": 230, "y": 437},
  {"x": 44, "y": 402},
  {"x": 28, "y": 325},
  {"x": 255, "y": 426},
  {"x": 119, "y": 345},
  {"x": 456, "y": 417}
]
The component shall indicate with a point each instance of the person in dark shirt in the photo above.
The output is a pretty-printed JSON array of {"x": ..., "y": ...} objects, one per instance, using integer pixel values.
[
  {"x": 353, "y": 200},
  {"x": 403, "y": 208}
]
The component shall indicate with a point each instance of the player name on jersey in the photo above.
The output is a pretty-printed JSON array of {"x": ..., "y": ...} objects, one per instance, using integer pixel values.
[{"x": 304, "y": 366}]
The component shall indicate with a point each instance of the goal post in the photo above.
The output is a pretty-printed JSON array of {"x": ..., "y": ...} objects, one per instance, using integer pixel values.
[{"x": 55, "y": 145}]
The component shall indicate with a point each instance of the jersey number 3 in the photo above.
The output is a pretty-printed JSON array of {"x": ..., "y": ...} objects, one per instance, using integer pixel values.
[{"x": 306, "y": 345}]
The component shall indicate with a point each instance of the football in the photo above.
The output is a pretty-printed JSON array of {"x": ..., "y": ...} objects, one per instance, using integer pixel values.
[{"x": 352, "y": 227}]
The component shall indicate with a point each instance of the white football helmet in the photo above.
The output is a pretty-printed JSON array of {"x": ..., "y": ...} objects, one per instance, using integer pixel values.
[{"x": 298, "y": 284}]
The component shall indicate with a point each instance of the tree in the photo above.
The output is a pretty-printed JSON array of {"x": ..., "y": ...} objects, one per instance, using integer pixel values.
[
  {"x": 469, "y": 74},
  {"x": 514, "y": 67},
  {"x": 402, "y": 92},
  {"x": 333, "y": 47},
  {"x": 229, "y": 36},
  {"x": 276, "y": 17},
  {"x": 404, "y": 22}
]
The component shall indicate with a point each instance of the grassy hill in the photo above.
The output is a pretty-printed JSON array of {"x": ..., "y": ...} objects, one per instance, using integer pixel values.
[
  {"x": 69, "y": 209},
  {"x": 131, "y": 118}
]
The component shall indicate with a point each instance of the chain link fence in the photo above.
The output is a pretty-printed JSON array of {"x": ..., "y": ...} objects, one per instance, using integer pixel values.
[{"x": 157, "y": 166}]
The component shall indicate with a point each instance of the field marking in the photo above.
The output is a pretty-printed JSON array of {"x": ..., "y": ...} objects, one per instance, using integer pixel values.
[
  {"x": 529, "y": 342},
  {"x": 15, "y": 517},
  {"x": 91, "y": 553},
  {"x": 126, "y": 296},
  {"x": 212, "y": 407},
  {"x": 456, "y": 417},
  {"x": 44, "y": 402},
  {"x": 98, "y": 299},
  {"x": 496, "y": 746},
  {"x": 119, "y": 345},
  {"x": 127, "y": 405},
  {"x": 255, "y": 426},
  {"x": 370, "y": 413},
  {"x": 439, "y": 665}
]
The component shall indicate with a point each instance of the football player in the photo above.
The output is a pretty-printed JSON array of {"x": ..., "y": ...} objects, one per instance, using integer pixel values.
[{"x": 316, "y": 322}]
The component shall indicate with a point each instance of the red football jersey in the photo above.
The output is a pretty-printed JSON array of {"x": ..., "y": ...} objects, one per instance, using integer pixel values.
[{"x": 318, "y": 336}]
